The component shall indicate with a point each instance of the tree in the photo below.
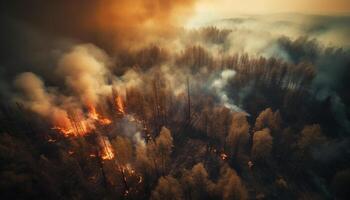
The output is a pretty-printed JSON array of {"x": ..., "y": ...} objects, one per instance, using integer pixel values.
[
  {"x": 167, "y": 188},
  {"x": 310, "y": 137},
  {"x": 156, "y": 154},
  {"x": 220, "y": 121},
  {"x": 164, "y": 145},
  {"x": 262, "y": 144},
  {"x": 229, "y": 186},
  {"x": 311, "y": 134},
  {"x": 123, "y": 150},
  {"x": 268, "y": 119},
  {"x": 196, "y": 184},
  {"x": 238, "y": 133}
]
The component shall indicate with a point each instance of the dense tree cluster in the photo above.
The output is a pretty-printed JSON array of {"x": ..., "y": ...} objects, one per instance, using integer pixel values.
[{"x": 178, "y": 138}]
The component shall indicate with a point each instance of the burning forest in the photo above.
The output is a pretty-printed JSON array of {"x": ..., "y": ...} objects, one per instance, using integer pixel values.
[{"x": 163, "y": 100}]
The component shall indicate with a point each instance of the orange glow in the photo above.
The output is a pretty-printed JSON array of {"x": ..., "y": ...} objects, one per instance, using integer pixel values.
[
  {"x": 106, "y": 148},
  {"x": 128, "y": 169},
  {"x": 78, "y": 128},
  {"x": 119, "y": 104},
  {"x": 66, "y": 131},
  {"x": 93, "y": 114},
  {"x": 105, "y": 121}
]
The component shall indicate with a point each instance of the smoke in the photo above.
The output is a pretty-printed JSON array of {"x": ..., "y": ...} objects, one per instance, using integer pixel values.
[
  {"x": 295, "y": 38},
  {"x": 219, "y": 84},
  {"x": 38, "y": 99},
  {"x": 109, "y": 23},
  {"x": 85, "y": 71}
]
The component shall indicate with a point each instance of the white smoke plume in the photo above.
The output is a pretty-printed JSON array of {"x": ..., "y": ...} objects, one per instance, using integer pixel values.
[{"x": 219, "y": 84}]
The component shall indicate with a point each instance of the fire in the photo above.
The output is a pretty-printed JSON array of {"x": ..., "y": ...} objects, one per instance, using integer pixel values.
[
  {"x": 106, "y": 148},
  {"x": 105, "y": 121},
  {"x": 93, "y": 114},
  {"x": 119, "y": 104},
  {"x": 75, "y": 125},
  {"x": 79, "y": 128},
  {"x": 66, "y": 131},
  {"x": 128, "y": 168}
]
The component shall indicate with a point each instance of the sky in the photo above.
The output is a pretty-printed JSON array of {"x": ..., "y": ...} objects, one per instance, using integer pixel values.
[{"x": 206, "y": 10}]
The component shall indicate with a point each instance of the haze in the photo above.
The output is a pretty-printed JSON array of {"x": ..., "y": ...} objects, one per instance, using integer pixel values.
[{"x": 207, "y": 10}]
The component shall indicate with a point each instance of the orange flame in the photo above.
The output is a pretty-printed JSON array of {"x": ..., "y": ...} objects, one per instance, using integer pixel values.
[
  {"x": 106, "y": 148},
  {"x": 66, "y": 131},
  {"x": 119, "y": 104},
  {"x": 92, "y": 112},
  {"x": 104, "y": 121},
  {"x": 96, "y": 116},
  {"x": 78, "y": 128}
]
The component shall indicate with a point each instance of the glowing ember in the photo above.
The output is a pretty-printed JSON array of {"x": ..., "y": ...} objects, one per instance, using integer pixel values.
[
  {"x": 51, "y": 140},
  {"x": 128, "y": 169},
  {"x": 92, "y": 155},
  {"x": 119, "y": 104},
  {"x": 140, "y": 180},
  {"x": 223, "y": 156},
  {"x": 126, "y": 192}
]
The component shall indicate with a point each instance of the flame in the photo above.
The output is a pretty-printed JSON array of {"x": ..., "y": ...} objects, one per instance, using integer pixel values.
[
  {"x": 69, "y": 130},
  {"x": 106, "y": 148},
  {"x": 80, "y": 126},
  {"x": 66, "y": 131},
  {"x": 104, "y": 121},
  {"x": 119, "y": 104},
  {"x": 93, "y": 114}
]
